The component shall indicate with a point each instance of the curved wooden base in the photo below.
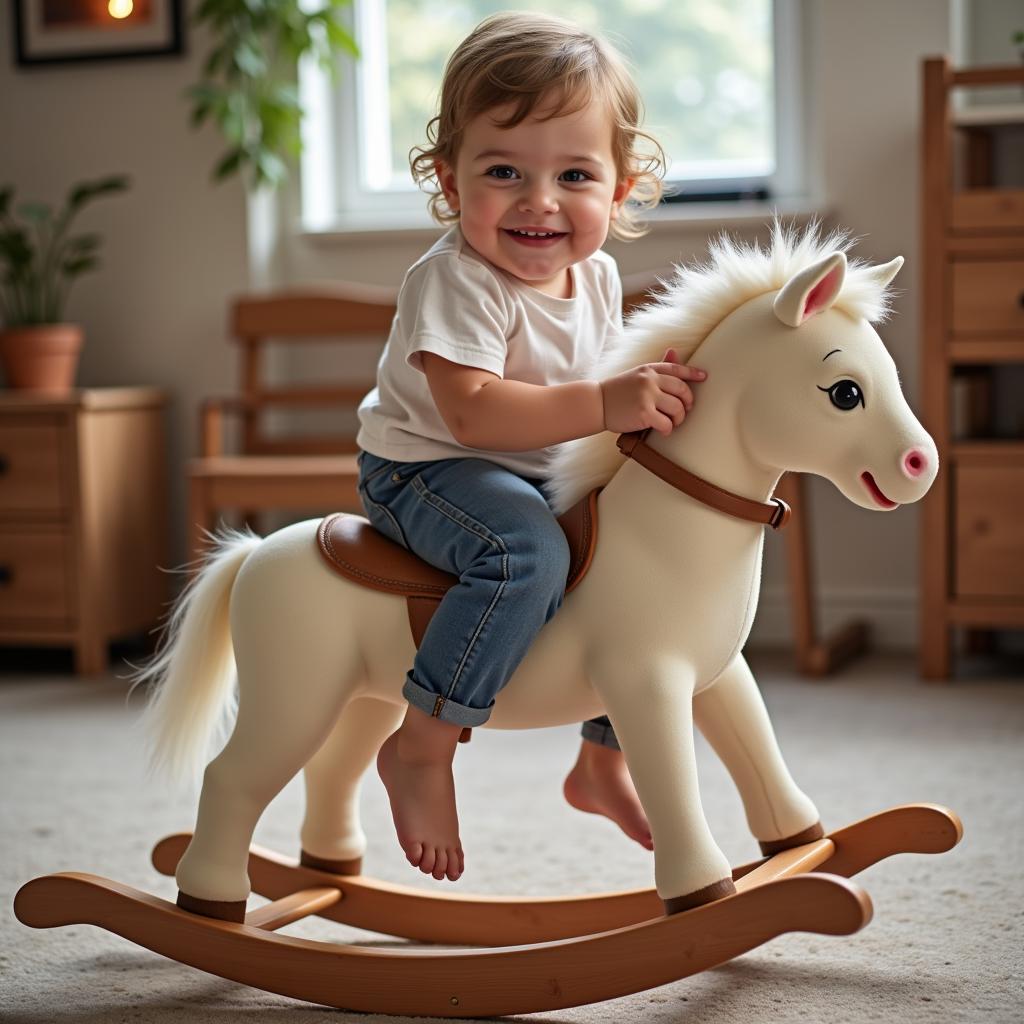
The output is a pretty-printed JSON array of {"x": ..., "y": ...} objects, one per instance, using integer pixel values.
[{"x": 575, "y": 951}]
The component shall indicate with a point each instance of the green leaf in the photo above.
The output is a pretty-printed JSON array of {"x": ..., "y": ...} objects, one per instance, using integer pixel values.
[
  {"x": 82, "y": 244},
  {"x": 83, "y": 192},
  {"x": 340, "y": 38},
  {"x": 204, "y": 92},
  {"x": 6, "y": 194},
  {"x": 74, "y": 267},
  {"x": 249, "y": 59},
  {"x": 38, "y": 213},
  {"x": 271, "y": 167},
  {"x": 228, "y": 164}
]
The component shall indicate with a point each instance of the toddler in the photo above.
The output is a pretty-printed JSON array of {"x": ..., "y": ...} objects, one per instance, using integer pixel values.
[{"x": 534, "y": 153}]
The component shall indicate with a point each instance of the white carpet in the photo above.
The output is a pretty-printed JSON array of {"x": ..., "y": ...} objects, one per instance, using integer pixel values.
[{"x": 945, "y": 943}]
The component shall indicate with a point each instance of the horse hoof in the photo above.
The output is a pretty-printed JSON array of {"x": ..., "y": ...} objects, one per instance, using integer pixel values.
[
  {"x": 771, "y": 847},
  {"x": 692, "y": 900},
  {"x": 222, "y": 910},
  {"x": 353, "y": 866}
]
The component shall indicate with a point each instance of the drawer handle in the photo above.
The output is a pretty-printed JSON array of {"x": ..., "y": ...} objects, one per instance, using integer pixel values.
[
  {"x": 6, "y": 575},
  {"x": 5, "y": 465}
]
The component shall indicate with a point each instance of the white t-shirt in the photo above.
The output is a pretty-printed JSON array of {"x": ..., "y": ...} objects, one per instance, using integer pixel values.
[{"x": 457, "y": 305}]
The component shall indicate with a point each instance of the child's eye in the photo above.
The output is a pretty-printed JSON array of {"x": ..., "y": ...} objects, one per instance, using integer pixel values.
[
  {"x": 501, "y": 171},
  {"x": 575, "y": 174}
]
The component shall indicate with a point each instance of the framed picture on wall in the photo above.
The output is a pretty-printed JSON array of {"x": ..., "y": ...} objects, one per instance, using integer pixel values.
[{"x": 59, "y": 31}]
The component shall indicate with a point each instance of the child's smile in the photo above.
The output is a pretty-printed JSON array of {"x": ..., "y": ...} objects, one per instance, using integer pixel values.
[{"x": 535, "y": 237}]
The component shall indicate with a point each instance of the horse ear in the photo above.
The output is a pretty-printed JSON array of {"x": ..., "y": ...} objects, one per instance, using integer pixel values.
[
  {"x": 811, "y": 291},
  {"x": 883, "y": 274}
]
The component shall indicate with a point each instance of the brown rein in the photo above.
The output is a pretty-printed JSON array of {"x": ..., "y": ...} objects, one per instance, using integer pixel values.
[{"x": 774, "y": 513}]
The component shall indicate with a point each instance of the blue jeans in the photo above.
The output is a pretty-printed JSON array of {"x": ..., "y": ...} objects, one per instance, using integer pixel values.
[{"x": 495, "y": 531}]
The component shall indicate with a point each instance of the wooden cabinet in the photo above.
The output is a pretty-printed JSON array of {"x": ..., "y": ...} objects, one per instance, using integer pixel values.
[
  {"x": 83, "y": 519},
  {"x": 972, "y": 225}
]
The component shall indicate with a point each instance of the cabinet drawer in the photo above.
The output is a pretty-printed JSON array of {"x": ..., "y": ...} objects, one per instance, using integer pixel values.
[
  {"x": 34, "y": 576},
  {"x": 988, "y": 296},
  {"x": 990, "y": 531},
  {"x": 30, "y": 466},
  {"x": 992, "y": 209}
]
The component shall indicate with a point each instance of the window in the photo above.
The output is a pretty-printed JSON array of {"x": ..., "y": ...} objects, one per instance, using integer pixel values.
[{"x": 717, "y": 77}]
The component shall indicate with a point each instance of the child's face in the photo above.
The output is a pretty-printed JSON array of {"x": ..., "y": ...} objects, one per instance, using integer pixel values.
[{"x": 555, "y": 176}]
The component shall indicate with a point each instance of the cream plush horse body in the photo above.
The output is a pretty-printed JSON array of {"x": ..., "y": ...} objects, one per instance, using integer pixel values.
[{"x": 797, "y": 380}]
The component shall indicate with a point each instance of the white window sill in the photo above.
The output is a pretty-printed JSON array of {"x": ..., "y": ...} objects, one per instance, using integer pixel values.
[{"x": 678, "y": 217}]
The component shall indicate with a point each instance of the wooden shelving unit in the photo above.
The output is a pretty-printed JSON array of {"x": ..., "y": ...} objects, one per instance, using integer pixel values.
[{"x": 972, "y": 229}]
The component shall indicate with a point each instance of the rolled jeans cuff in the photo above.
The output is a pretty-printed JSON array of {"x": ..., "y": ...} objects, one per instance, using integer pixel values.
[
  {"x": 438, "y": 706},
  {"x": 598, "y": 732}
]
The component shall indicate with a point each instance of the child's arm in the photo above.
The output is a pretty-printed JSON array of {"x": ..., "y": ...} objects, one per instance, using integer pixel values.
[{"x": 484, "y": 411}]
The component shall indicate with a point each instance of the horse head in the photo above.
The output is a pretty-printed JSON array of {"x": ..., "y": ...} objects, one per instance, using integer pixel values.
[{"x": 823, "y": 394}]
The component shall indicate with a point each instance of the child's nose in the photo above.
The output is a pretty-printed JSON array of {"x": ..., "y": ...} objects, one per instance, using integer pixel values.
[{"x": 538, "y": 199}]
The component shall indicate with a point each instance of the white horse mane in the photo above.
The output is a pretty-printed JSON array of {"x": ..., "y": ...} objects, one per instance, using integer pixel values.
[{"x": 689, "y": 306}]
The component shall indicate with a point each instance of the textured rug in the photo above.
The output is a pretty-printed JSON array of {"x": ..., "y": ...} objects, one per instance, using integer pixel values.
[{"x": 945, "y": 943}]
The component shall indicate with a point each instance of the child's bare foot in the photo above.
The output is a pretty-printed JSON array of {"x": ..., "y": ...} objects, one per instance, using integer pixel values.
[
  {"x": 600, "y": 783},
  {"x": 415, "y": 765}
]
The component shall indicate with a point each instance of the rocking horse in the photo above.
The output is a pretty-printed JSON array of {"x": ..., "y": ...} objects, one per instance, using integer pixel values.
[{"x": 321, "y": 619}]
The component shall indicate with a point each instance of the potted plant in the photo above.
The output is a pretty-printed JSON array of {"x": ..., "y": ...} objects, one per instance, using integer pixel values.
[{"x": 38, "y": 262}]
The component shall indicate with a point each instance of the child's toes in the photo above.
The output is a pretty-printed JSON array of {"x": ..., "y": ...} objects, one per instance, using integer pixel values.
[
  {"x": 428, "y": 859},
  {"x": 440, "y": 864},
  {"x": 454, "y": 865}
]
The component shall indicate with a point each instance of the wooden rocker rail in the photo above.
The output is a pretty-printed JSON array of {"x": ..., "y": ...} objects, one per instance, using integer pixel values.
[
  {"x": 774, "y": 896},
  {"x": 503, "y": 920}
]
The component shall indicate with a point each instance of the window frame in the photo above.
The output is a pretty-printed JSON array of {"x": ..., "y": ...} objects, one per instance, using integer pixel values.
[{"x": 334, "y": 200}]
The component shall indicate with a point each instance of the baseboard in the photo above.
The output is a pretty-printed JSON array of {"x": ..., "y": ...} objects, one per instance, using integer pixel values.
[{"x": 890, "y": 614}]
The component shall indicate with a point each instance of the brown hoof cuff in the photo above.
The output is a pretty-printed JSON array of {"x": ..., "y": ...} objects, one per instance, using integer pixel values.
[
  {"x": 773, "y": 846},
  {"x": 692, "y": 900},
  {"x": 332, "y": 867},
  {"x": 222, "y": 910}
]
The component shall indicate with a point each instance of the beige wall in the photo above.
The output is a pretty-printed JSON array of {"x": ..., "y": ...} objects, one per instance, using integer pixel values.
[{"x": 177, "y": 247}]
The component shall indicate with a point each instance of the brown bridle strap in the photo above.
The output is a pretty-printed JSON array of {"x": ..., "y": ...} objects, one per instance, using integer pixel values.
[{"x": 774, "y": 513}]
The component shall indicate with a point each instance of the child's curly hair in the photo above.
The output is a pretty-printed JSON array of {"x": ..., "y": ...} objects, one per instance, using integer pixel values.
[{"x": 528, "y": 59}]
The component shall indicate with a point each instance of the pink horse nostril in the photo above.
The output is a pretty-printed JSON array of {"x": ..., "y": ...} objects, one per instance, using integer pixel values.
[{"x": 914, "y": 462}]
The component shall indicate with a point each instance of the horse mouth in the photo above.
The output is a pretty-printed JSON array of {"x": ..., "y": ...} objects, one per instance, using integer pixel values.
[{"x": 876, "y": 492}]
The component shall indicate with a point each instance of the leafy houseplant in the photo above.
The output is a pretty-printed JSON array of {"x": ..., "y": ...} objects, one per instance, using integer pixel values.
[
  {"x": 248, "y": 86},
  {"x": 38, "y": 262}
]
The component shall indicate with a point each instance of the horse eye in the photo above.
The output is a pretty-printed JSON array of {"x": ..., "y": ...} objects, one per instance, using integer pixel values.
[{"x": 845, "y": 395}]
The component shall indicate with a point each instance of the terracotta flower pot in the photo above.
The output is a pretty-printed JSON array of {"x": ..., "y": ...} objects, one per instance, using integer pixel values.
[{"x": 43, "y": 357}]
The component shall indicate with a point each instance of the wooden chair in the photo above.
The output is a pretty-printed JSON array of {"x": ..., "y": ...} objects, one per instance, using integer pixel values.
[
  {"x": 816, "y": 656},
  {"x": 308, "y": 472}
]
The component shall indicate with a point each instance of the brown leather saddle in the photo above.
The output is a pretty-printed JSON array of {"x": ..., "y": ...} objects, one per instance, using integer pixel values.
[{"x": 353, "y": 548}]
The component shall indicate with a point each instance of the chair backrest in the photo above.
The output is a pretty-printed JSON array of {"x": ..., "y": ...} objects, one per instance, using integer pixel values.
[{"x": 343, "y": 313}]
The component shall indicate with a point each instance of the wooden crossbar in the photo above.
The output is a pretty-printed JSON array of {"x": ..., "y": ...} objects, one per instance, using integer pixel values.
[{"x": 293, "y": 908}]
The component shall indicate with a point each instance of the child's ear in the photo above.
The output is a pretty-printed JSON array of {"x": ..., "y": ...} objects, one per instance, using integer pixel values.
[
  {"x": 621, "y": 193},
  {"x": 446, "y": 179}
]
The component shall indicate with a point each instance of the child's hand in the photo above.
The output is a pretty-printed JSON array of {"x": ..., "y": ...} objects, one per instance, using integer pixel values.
[{"x": 653, "y": 395}]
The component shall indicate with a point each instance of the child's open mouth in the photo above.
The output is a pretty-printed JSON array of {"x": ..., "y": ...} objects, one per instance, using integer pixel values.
[{"x": 534, "y": 239}]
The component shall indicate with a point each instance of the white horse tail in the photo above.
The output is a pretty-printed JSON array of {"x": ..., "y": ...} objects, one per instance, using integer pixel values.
[{"x": 192, "y": 699}]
